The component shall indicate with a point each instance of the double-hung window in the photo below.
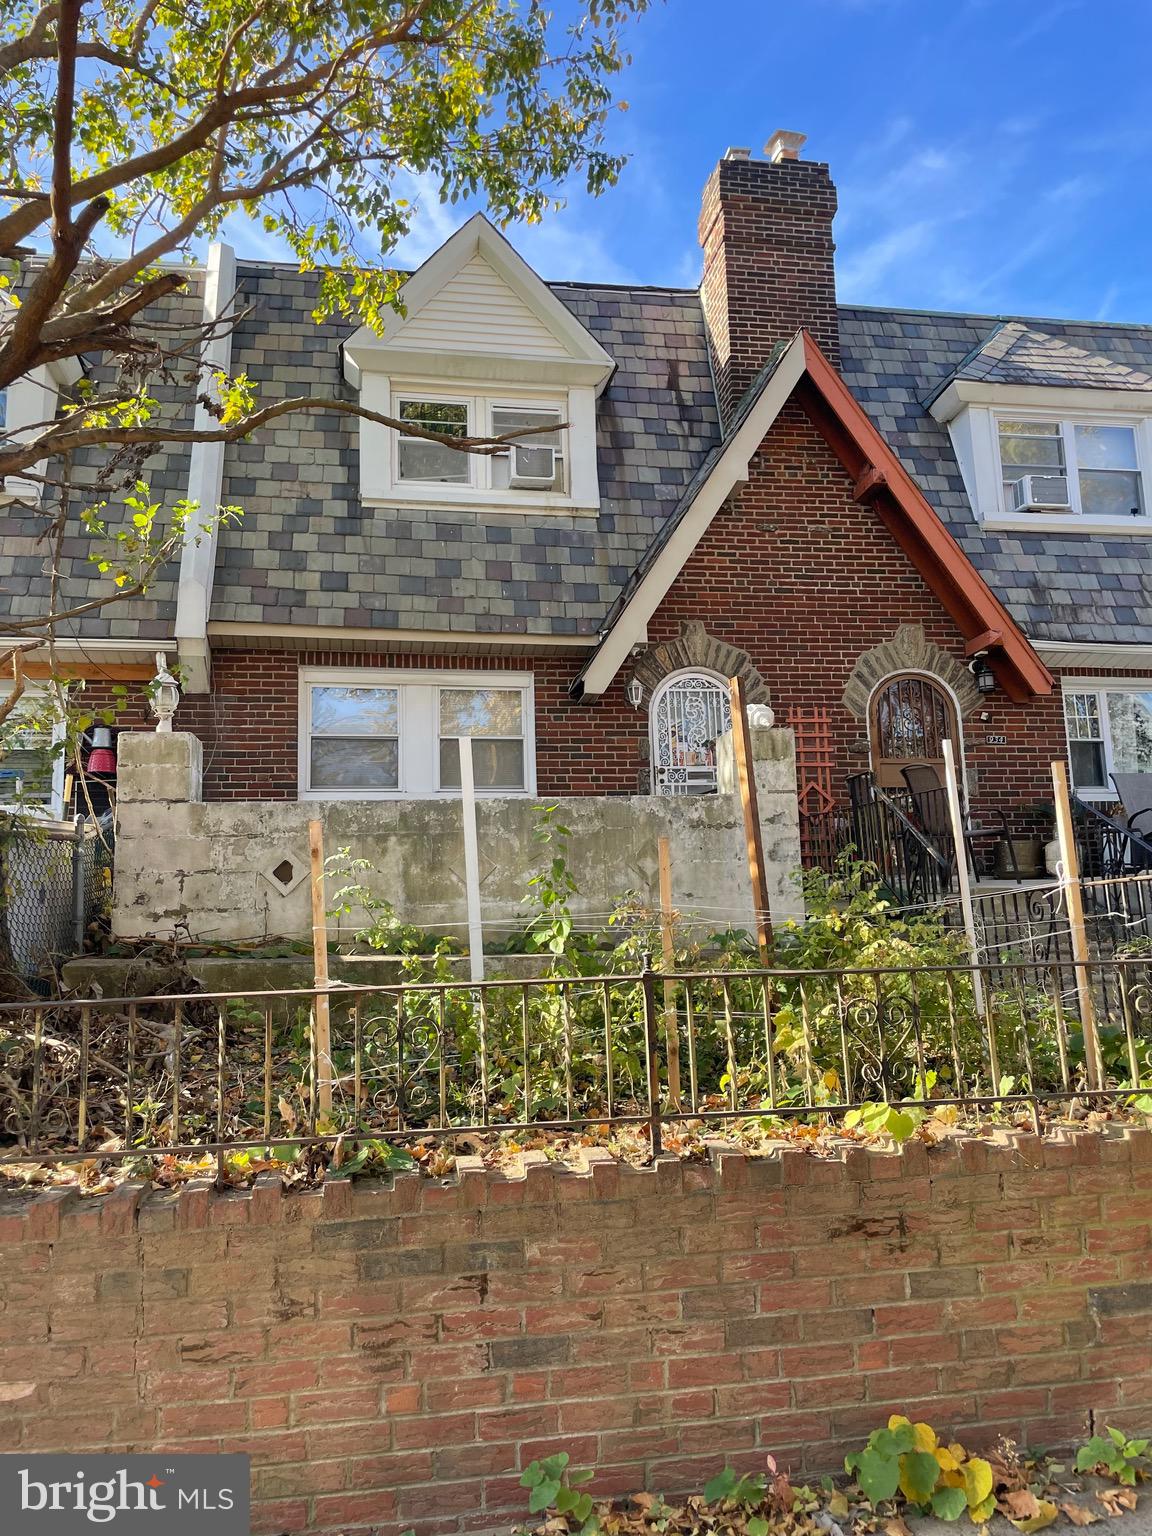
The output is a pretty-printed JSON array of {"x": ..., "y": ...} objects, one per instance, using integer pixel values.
[
  {"x": 1109, "y": 731},
  {"x": 1083, "y": 469},
  {"x": 532, "y": 464},
  {"x": 391, "y": 735},
  {"x": 425, "y": 462}
]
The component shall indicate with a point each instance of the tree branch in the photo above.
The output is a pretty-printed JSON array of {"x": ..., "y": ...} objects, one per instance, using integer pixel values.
[{"x": 63, "y": 437}]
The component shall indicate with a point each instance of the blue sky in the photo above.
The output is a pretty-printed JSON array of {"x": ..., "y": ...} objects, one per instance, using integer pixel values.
[{"x": 990, "y": 155}]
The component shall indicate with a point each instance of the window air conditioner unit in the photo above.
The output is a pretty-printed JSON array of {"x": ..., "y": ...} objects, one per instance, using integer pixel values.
[
  {"x": 533, "y": 466},
  {"x": 1041, "y": 493}
]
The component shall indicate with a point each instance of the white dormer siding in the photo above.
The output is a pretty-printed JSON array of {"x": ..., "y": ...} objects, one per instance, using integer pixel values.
[
  {"x": 478, "y": 312},
  {"x": 481, "y": 335}
]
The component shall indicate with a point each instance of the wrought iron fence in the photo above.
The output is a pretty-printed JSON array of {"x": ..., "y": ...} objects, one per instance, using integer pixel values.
[
  {"x": 55, "y": 881},
  {"x": 208, "y": 1073}
]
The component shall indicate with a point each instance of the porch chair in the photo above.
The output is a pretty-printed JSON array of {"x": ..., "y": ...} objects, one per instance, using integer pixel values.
[
  {"x": 1134, "y": 791},
  {"x": 931, "y": 801}
]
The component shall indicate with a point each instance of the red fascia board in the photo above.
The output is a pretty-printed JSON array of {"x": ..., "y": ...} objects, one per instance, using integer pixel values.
[{"x": 970, "y": 602}]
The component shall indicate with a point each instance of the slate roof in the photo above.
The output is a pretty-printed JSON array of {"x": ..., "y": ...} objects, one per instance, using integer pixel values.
[
  {"x": 1017, "y": 354},
  {"x": 1088, "y": 588},
  {"x": 24, "y": 554},
  {"x": 307, "y": 552}
]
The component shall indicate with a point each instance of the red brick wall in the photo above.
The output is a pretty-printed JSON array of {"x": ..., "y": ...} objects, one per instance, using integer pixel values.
[
  {"x": 249, "y": 725},
  {"x": 805, "y": 580},
  {"x": 395, "y": 1356},
  {"x": 768, "y": 265}
]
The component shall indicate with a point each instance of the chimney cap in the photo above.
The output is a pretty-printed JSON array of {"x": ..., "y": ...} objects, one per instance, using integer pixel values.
[
  {"x": 784, "y": 145},
  {"x": 735, "y": 152}
]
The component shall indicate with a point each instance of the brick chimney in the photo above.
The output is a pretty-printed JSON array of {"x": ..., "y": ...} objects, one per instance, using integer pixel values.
[{"x": 766, "y": 229}]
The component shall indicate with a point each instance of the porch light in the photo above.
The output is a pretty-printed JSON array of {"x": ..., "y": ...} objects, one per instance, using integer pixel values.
[
  {"x": 984, "y": 676},
  {"x": 635, "y": 692},
  {"x": 164, "y": 694}
]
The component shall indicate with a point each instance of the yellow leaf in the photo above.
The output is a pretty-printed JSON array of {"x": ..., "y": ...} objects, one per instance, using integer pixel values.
[
  {"x": 1046, "y": 1512},
  {"x": 948, "y": 1463},
  {"x": 897, "y": 1421},
  {"x": 958, "y": 1451},
  {"x": 982, "y": 1512},
  {"x": 925, "y": 1437},
  {"x": 831, "y": 1080},
  {"x": 977, "y": 1483},
  {"x": 838, "y": 1506}
]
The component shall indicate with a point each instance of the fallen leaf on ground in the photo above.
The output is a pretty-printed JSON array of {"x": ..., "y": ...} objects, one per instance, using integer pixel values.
[
  {"x": 1117, "y": 1500},
  {"x": 1079, "y": 1515}
]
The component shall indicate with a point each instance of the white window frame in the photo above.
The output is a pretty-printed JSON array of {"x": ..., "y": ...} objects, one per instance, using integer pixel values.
[
  {"x": 419, "y": 728},
  {"x": 479, "y": 406},
  {"x": 54, "y": 809},
  {"x": 1101, "y": 687},
  {"x": 974, "y": 428},
  {"x": 1067, "y": 426},
  {"x": 381, "y": 486}
]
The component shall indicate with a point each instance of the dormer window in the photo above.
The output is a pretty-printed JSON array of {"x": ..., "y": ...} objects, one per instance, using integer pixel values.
[
  {"x": 426, "y": 463},
  {"x": 530, "y": 468},
  {"x": 482, "y": 348},
  {"x": 534, "y": 462},
  {"x": 1075, "y": 468}
]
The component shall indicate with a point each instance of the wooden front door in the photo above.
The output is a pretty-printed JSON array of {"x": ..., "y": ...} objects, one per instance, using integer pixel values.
[{"x": 909, "y": 720}]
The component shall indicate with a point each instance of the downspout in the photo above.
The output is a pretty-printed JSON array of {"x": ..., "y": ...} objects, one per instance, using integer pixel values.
[{"x": 205, "y": 487}]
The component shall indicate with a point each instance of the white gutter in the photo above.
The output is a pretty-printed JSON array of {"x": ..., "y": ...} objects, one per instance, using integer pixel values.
[{"x": 205, "y": 488}]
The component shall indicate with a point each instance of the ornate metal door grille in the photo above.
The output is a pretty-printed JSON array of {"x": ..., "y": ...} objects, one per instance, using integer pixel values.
[{"x": 688, "y": 714}]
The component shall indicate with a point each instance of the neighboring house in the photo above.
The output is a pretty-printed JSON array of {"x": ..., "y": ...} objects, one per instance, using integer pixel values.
[{"x": 896, "y": 526}]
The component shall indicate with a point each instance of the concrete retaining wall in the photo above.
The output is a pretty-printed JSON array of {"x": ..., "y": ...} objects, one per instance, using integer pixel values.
[{"x": 237, "y": 870}]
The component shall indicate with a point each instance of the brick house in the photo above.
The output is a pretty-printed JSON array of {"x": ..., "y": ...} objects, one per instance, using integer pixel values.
[{"x": 895, "y": 525}]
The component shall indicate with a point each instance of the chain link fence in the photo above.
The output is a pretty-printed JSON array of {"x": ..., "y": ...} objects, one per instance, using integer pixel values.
[{"x": 55, "y": 883}]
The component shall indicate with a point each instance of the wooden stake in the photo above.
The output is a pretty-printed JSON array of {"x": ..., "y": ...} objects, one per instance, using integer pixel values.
[
  {"x": 668, "y": 949},
  {"x": 1074, "y": 904},
  {"x": 742, "y": 745},
  {"x": 321, "y": 1016}
]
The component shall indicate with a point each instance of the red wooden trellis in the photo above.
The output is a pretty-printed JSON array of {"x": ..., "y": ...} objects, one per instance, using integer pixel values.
[{"x": 814, "y": 768}]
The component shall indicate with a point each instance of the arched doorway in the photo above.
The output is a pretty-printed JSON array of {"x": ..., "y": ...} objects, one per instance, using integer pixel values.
[
  {"x": 689, "y": 711},
  {"x": 909, "y": 719}
]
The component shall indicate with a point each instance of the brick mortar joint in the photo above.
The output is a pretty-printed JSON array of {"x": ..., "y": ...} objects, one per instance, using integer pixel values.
[{"x": 538, "y": 1181}]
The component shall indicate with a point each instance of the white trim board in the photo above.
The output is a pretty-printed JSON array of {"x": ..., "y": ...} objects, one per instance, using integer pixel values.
[{"x": 1072, "y": 653}]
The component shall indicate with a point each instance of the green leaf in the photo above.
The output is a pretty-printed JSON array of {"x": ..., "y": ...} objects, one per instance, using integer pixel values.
[
  {"x": 1117, "y": 1436},
  {"x": 949, "y": 1503},
  {"x": 533, "y": 1474},
  {"x": 878, "y": 1475},
  {"x": 757, "y": 1526},
  {"x": 900, "y": 1125},
  {"x": 543, "y": 1495},
  {"x": 920, "y": 1471},
  {"x": 720, "y": 1486}
]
